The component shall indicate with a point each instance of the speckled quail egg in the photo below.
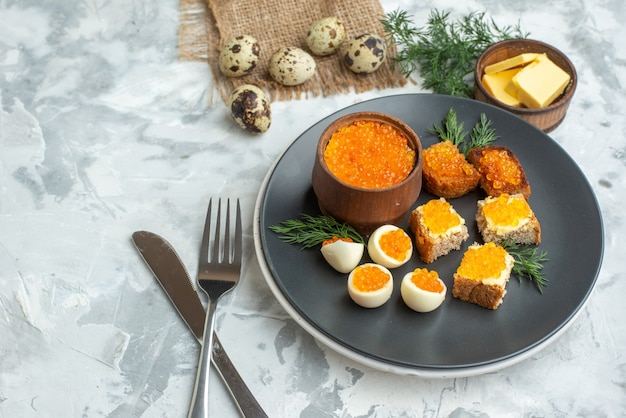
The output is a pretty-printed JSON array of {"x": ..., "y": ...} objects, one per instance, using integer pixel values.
[
  {"x": 239, "y": 56},
  {"x": 250, "y": 108},
  {"x": 364, "y": 53},
  {"x": 422, "y": 290},
  {"x": 291, "y": 66},
  {"x": 325, "y": 35},
  {"x": 390, "y": 246},
  {"x": 370, "y": 285},
  {"x": 343, "y": 255}
]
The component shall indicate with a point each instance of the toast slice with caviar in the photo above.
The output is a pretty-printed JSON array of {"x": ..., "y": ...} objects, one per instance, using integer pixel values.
[
  {"x": 508, "y": 218},
  {"x": 482, "y": 276},
  {"x": 446, "y": 172},
  {"x": 438, "y": 229},
  {"x": 500, "y": 171}
]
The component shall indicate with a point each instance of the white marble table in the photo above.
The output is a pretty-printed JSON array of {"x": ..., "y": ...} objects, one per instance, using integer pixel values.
[{"x": 104, "y": 132}]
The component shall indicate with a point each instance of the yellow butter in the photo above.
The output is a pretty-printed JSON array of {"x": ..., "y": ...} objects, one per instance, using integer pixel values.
[
  {"x": 516, "y": 61},
  {"x": 496, "y": 84},
  {"x": 540, "y": 82}
]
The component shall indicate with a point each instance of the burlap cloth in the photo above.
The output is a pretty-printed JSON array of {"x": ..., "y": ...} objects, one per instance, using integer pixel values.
[{"x": 206, "y": 24}]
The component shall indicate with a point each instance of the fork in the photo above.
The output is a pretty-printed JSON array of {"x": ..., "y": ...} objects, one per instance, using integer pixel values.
[{"x": 219, "y": 270}]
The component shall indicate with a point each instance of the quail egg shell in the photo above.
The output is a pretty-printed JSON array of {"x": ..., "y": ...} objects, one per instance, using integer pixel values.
[
  {"x": 250, "y": 108},
  {"x": 325, "y": 35},
  {"x": 364, "y": 53},
  {"x": 291, "y": 66},
  {"x": 342, "y": 255},
  {"x": 418, "y": 299},
  {"x": 386, "y": 239},
  {"x": 239, "y": 56},
  {"x": 370, "y": 289}
]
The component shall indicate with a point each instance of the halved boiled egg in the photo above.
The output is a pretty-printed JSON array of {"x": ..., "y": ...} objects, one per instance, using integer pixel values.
[
  {"x": 390, "y": 246},
  {"x": 422, "y": 290},
  {"x": 370, "y": 285},
  {"x": 342, "y": 254}
]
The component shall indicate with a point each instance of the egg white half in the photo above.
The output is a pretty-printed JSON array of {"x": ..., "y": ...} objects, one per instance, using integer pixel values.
[
  {"x": 343, "y": 256},
  {"x": 372, "y": 299},
  {"x": 420, "y": 300}
]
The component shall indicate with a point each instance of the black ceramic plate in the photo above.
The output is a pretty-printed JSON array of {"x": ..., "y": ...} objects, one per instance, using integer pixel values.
[{"x": 458, "y": 338}]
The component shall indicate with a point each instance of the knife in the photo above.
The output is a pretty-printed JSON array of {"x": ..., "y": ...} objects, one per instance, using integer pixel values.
[{"x": 170, "y": 272}]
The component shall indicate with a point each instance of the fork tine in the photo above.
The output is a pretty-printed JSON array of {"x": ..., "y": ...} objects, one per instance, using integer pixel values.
[
  {"x": 215, "y": 253},
  {"x": 238, "y": 237},
  {"x": 226, "y": 253},
  {"x": 204, "y": 245}
]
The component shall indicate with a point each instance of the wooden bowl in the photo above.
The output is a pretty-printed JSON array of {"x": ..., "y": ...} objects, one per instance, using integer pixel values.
[
  {"x": 546, "y": 119},
  {"x": 366, "y": 209}
]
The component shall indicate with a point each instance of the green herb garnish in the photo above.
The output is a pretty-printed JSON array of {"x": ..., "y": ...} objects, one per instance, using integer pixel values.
[
  {"x": 482, "y": 134},
  {"x": 444, "y": 51},
  {"x": 529, "y": 263},
  {"x": 452, "y": 130},
  {"x": 314, "y": 230}
]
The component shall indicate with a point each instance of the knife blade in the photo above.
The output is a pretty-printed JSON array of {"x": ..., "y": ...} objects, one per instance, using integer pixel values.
[{"x": 170, "y": 272}]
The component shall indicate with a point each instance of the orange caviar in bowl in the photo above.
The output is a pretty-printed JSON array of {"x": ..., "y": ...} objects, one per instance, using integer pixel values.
[
  {"x": 438, "y": 216},
  {"x": 369, "y": 154},
  {"x": 367, "y": 170}
]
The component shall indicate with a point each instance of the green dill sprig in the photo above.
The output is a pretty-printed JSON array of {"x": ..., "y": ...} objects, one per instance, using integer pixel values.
[
  {"x": 444, "y": 51},
  {"x": 314, "y": 230},
  {"x": 482, "y": 134},
  {"x": 452, "y": 130},
  {"x": 529, "y": 263}
]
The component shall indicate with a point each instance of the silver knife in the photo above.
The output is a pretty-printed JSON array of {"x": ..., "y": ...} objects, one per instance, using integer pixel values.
[{"x": 170, "y": 272}]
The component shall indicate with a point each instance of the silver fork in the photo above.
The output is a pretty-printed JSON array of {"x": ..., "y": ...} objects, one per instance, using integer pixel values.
[{"x": 219, "y": 269}]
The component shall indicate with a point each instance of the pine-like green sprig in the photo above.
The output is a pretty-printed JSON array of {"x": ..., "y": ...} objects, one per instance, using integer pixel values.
[
  {"x": 529, "y": 263},
  {"x": 310, "y": 231},
  {"x": 444, "y": 51}
]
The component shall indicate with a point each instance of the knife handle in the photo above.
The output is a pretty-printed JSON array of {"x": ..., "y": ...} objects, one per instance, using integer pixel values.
[{"x": 247, "y": 403}]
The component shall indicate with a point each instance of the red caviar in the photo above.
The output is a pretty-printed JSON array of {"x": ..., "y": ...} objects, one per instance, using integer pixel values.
[
  {"x": 370, "y": 155},
  {"x": 499, "y": 169},
  {"x": 506, "y": 211},
  {"x": 483, "y": 262},
  {"x": 396, "y": 244},
  {"x": 368, "y": 278},
  {"x": 335, "y": 239},
  {"x": 438, "y": 216},
  {"x": 427, "y": 280}
]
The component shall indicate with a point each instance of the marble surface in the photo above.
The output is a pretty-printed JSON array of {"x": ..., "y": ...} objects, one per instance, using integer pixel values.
[{"x": 104, "y": 132}]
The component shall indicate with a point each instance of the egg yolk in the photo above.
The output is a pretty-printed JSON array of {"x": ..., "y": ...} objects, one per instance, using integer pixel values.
[
  {"x": 484, "y": 262},
  {"x": 438, "y": 217},
  {"x": 335, "y": 239},
  {"x": 369, "y": 278},
  {"x": 427, "y": 280},
  {"x": 396, "y": 244},
  {"x": 506, "y": 211}
]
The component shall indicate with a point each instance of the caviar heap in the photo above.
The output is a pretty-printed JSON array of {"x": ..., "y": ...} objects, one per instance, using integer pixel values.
[
  {"x": 370, "y": 155},
  {"x": 438, "y": 217}
]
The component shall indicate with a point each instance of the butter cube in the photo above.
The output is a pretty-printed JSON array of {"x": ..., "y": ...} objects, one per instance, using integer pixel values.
[
  {"x": 496, "y": 84},
  {"x": 540, "y": 82},
  {"x": 516, "y": 61}
]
